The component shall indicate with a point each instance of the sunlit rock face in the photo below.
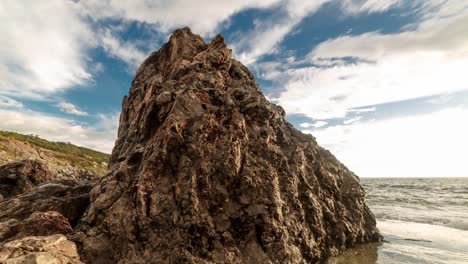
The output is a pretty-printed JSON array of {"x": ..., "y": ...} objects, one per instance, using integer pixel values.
[
  {"x": 40, "y": 250},
  {"x": 207, "y": 170}
]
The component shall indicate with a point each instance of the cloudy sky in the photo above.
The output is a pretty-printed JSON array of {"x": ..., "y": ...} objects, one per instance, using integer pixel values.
[{"x": 383, "y": 84}]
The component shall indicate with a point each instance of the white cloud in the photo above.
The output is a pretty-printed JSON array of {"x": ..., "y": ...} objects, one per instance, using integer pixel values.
[
  {"x": 109, "y": 122},
  {"x": 203, "y": 16},
  {"x": 317, "y": 124},
  {"x": 267, "y": 34},
  {"x": 58, "y": 129},
  {"x": 6, "y": 102},
  {"x": 352, "y": 120},
  {"x": 369, "y": 6},
  {"x": 70, "y": 109},
  {"x": 429, "y": 145},
  {"x": 125, "y": 51},
  {"x": 441, "y": 99},
  {"x": 42, "y": 48},
  {"x": 431, "y": 36},
  {"x": 391, "y": 67},
  {"x": 43, "y": 54},
  {"x": 363, "y": 110}
]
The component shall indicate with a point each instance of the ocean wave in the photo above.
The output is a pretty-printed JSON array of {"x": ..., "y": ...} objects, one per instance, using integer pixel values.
[
  {"x": 424, "y": 220},
  {"x": 460, "y": 224},
  {"x": 410, "y": 242},
  {"x": 433, "y": 236}
]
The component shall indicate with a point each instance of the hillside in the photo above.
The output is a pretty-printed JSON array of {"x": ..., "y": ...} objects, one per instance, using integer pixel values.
[{"x": 65, "y": 159}]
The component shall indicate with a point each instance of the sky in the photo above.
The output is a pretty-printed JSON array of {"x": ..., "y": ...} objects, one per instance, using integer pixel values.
[{"x": 383, "y": 84}]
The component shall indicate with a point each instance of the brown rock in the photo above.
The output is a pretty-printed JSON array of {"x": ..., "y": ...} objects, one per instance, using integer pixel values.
[
  {"x": 38, "y": 224},
  {"x": 20, "y": 177},
  {"x": 69, "y": 198},
  {"x": 207, "y": 170},
  {"x": 55, "y": 249}
]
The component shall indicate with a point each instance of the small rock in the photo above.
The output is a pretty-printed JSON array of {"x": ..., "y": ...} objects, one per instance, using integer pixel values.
[
  {"x": 40, "y": 250},
  {"x": 20, "y": 177},
  {"x": 69, "y": 198},
  {"x": 38, "y": 224}
]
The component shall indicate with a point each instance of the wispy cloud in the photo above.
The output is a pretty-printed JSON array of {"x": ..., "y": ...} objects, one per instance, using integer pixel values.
[
  {"x": 40, "y": 53},
  {"x": 6, "y": 102},
  {"x": 108, "y": 122},
  {"x": 70, "y": 109},
  {"x": 125, "y": 51},
  {"x": 43, "y": 55},
  {"x": 352, "y": 120},
  {"x": 426, "y": 61},
  {"x": 317, "y": 124},
  {"x": 413, "y": 146},
  {"x": 268, "y": 33},
  {"x": 203, "y": 16},
  {"x": 369, "y": 6},
  {"x": 362, "y": 110}
]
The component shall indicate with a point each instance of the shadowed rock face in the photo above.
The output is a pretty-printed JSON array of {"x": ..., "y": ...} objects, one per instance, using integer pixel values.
[
  {"x": 37, "y": 224},
  {"x": 69, "y": 198},
  {"x": 30, "y": 221},
  {"x": 206, "y": 170},
  {"x": 20, "y": 177}
]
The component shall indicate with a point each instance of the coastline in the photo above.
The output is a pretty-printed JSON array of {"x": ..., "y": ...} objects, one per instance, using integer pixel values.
[{"x": 423, "y": 220}]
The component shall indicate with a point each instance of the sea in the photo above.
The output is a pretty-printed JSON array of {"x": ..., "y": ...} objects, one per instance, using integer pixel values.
[{"x": 422, "y": 221}]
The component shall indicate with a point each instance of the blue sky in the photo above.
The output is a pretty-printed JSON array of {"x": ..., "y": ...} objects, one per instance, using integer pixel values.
[{"x": 381, "y": 83}]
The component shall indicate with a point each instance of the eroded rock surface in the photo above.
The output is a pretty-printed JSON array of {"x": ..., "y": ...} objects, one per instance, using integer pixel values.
[
  {"x": 54, "y": 249},
  {"x": 33, "y": 223},
  {"x": 37, "y": 224},
  {"x": 207, "y": 170},
  {"x": 69, "y": 198},
  {"x": 20, "y": 177}
]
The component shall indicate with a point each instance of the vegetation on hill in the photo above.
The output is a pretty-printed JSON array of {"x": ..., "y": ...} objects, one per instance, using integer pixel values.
[
  {"x": 62, "y": 157},
  {"x": 63, "y": 147}
]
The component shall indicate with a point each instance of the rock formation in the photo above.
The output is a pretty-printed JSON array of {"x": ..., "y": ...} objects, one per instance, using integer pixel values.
[
  {"x": 19, "y": 177},
  {"x": 35, "y": 210},
  {"x": 69, "y": 198},
  {"x": 54, "y": 249},
  {"x": 207, "y": 170},
  {"x": 37, "y": 224}
]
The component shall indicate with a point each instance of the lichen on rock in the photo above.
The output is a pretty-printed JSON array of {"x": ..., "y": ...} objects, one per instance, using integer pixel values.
[{"x": 207, "y": 170}]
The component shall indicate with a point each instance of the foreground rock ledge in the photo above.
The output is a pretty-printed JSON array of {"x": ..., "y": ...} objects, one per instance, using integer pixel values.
[
  {"x": 20, "y": 177},
  {"x": 206, "y": 170},
  {"x": 54, "y": 249}
]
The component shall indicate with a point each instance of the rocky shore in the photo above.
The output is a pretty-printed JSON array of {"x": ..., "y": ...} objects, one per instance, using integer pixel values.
[{"x": 205, "y": 170}]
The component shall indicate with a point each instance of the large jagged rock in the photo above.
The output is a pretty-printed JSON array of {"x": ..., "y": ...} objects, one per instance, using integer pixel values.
[
  {"x": 20, "y": 177},
  {"x": 207, "y": 170}
]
